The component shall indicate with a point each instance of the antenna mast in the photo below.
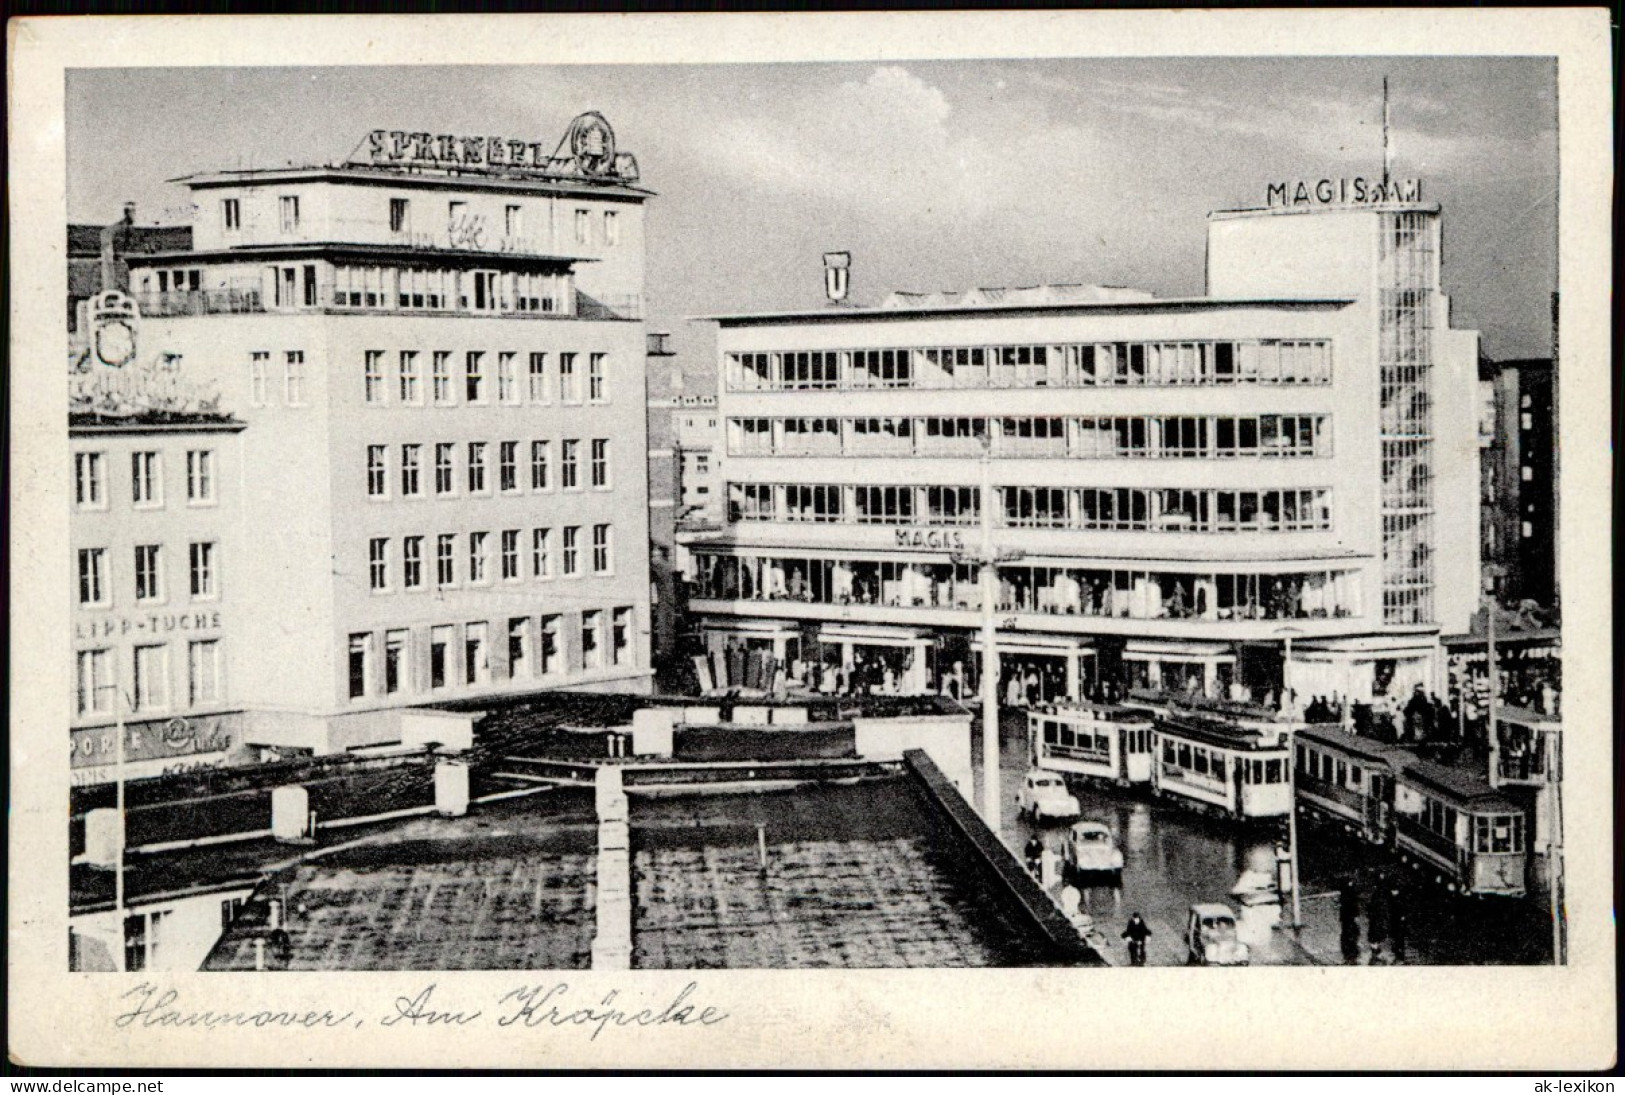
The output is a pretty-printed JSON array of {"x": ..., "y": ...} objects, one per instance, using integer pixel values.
[{"x": 1387, "y": 137}]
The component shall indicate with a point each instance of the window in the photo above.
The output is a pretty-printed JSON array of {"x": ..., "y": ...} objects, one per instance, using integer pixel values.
[
  {"x": 360, "y": 664},
  {"x": 95, "y": 682},
  {"x": 507, "y": 378},
  {"x": 513, "y": 220},
  {"x": 151, "y": 678},
  {"x": 148, "y": 573},
  {"x": 375, "y": 376},
  {"x": 612, "y": 228},
  {"x": 595, "y": 379},
  {"x": 569, "y": 465},
  {"x": 400, "y": 210},
  {"x": 476, "y": 467},
  {"x": 508, "y": 466},
  {"x": 202, "y": 568},
  {"x": 550, "y": 661},
  {"x": 200, "y": 476},
  {"x": 377, "y": 472},
  {"x": 203, "y": 672},
  {"x": 442, "y": 376},
  {"x": 142, "y": 934},
  {"x": 411, "y": 468},
  {"x": 411, "y": 389},
  {"x": 444, "y": 481},
  {"x": 439, "y": 656},
  {"x": 592, "y": 652},
  {"x": 294, "y": 379},
  {"x": 541, "y": 553},
  {"x": 146, "y": 479},
  {"x": 510, "y": 555},
  {"x": 519, "y": 647},
  {"x": 412, "y": 562},
  {"x": 289, "y": 205},
  {"x": 600, "y": 462},
  {"x": 538, "y": 465},
  {"x": 396, "y": 666},
  {"x": 569, "y": 382},
  {"x": 259, "y": 362},
  {"x": 93, "y": 576},
  {"x": 474, "y": 377},
  {"x": 455, "y": 213},
  {"x": 479, "y": 557},
  {"x": 445, "y": 559},
  {"x": 572, "y": 551},
  {"x": 89, "y": 491},
  {"x": 231, "y": 214},
  {"x": 600, "y": 549},
  {"x": 583, "y": 226},
  {"x": 476, "y": 659},
  {"x": 620, "y": 651},
  {"x": 378, "y": 564},
  {"x": 538, "y": 378}
]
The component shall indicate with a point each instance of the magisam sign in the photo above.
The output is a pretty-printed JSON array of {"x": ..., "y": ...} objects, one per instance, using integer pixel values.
[{"x": 1355, "y": 191}]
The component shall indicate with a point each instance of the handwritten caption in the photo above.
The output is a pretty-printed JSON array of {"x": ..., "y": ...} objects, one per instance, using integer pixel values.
[{"x": 525, "y": 1007}]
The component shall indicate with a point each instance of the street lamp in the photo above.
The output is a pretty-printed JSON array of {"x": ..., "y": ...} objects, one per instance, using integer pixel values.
[{"x": 1291, "y": 774}]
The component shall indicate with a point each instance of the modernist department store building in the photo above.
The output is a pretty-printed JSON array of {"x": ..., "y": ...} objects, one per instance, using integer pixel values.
[{"x": 1179, "y": 489}]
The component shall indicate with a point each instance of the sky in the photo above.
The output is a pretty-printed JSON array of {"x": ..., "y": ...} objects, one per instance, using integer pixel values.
[{"x": 934, "y": 174}]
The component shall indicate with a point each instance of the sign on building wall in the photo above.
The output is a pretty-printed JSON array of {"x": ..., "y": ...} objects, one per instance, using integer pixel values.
[
  {"x": 155, "y": 740},
  {"x": 1354, "y": 191},
  {"x": 110, "y": 377},
  {"x": 587, "y": 151}
]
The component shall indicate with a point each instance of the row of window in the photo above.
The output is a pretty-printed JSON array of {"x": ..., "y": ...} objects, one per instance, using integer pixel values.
[
  {"x": 96, "y": 686},
  {"x": 459, "y": 221},
  {"x": 1067, "y": 591},
  {"x": 1189, "y": 761},
  {"x": 413, "y": 661},
  {"x": 91, "y": 488},
  {"x": 1113, "y": 508},
  {"x": 1121, "y": 436},
  {"x": 403, "y": 380},
  {"x": 515, "y": 467},
  {"x": 1269, "y": 361},
  {"x": 292, "y": 381},
  {"x": 150, "y": 586},
  {"x": 515, "y": 557}
]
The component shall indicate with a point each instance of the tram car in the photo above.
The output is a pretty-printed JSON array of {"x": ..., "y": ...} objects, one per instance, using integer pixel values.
[
  {"x": 1454, "y": 826},
  {"x": 1348, "y": 780},
  {"x": 1094, "y": 740},
  {"x": 1221, "y": 768}
]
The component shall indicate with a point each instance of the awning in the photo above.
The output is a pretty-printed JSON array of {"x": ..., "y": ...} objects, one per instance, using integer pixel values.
[
  {"x": 1055, "y": 646},
  {"x": 1145, "y": 650},
  {"x": 873, "y": 634}
]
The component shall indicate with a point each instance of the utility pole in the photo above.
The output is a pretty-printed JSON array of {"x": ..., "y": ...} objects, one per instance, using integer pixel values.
[{"x": 1290, "y": 710}]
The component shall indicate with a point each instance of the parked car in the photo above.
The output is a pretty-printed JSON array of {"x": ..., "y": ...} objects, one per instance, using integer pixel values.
[
  {"x": 1090, "y": 849},
  {"x": 1210, "y": 938},
  {"x": 1044, "y": 796}
]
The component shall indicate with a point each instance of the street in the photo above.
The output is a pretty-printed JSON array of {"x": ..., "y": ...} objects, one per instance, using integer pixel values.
[{"x": 1173, "y": 858}]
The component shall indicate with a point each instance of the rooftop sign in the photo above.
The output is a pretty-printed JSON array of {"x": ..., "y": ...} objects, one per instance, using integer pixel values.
[
  {"x": 1355, "y": 191},
  {"x": 587, "y": 151}
]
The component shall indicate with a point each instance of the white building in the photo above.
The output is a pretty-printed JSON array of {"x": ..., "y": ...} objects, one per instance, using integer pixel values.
[
  {"x": 438, "y": 351},
  {"x": 1178, "y": 488}
]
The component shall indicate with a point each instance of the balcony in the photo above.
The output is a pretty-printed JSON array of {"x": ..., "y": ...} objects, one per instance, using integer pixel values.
[{"x": 251, "y": 301}]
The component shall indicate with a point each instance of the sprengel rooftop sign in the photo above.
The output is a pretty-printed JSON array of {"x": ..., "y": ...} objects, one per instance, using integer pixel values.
[{"x": 586, "y": 151}]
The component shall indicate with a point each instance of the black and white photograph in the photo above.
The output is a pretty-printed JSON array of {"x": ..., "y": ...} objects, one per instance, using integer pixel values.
[{"x": 1089, "y": 515}]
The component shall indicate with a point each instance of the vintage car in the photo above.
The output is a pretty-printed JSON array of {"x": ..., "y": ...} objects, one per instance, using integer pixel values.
[
  {"x": 1044, "y": 796},
  {"x": 1210, "y": 938},
  {"x": 1090, "y": 849}
]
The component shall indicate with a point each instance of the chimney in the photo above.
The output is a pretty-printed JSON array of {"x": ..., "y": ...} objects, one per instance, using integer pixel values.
[{"x": 129, "y": 213}]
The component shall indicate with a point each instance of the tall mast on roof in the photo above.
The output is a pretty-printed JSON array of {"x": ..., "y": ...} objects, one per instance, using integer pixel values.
[{"x": 1387, "y": 137}]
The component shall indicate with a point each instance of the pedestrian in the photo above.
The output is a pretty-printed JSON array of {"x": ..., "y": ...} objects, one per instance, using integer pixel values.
[
  {"x": 1137, "y": 932},
  {"x": 1396, "y": 924},
  {"x": 1034, "y": 852}
]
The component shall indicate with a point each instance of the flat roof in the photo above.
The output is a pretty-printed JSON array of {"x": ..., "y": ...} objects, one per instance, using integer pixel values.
[
  {"x": 1335, "y": 736},
  {"x": 375, "y": 252},
  {"x": 367, "y": 175},
  {"x": 1465, "y": 784},
  {"x": 843, "y": 314},
  {"x": 1322, "y": 207}
]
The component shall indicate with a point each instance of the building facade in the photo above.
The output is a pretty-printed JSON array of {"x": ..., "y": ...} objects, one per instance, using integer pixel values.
[
  {"x": 1176, "y": 491},
  {"x": 1520, "y": 484},
  {"x": 697, "y": 430},
  {"x": 438, "y": 351}
]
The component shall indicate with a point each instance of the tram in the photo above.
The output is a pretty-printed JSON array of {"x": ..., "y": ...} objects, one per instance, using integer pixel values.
[
  {"x": 1454, "y": 826},
  {"x": 1221, "y": 768},
  {"x": 1348, "y": 780},
  {"x": 1093, "y": 740}
]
